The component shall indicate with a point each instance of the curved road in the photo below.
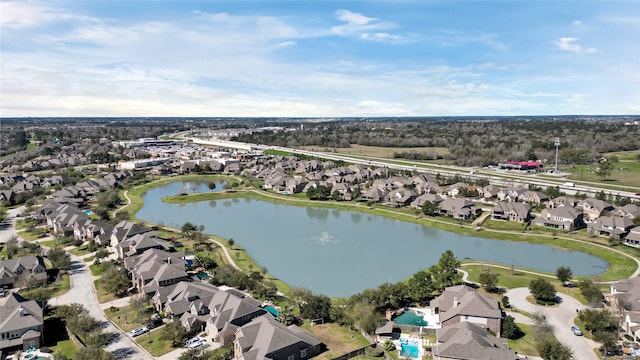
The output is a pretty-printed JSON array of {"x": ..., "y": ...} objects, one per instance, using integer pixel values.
[{"x": 561, "y": 317}]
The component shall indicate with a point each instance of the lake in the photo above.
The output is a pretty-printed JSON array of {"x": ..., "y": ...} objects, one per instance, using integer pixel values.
[{"x": 339, "y": 253}]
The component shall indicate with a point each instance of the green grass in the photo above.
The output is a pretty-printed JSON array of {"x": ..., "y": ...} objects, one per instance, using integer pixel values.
[
  {"x": 96, "y": 269},
  {"x": 88, "y": 259},
  {"x": 65, "y": 347},
  {"x": 62, "y": 286},
  {"x": 339, "y": 339},
  {"x": 625, "y": 173},
  {"x": 153, "y": 344},
  {"x": 126, "y": 317},
  {"x": 526, "y": 344},
  {"x": 79, "y": 251},
  {"x": 103, "y": 295}
]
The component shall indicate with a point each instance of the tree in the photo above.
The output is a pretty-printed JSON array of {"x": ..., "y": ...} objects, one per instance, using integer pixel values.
[
  {"x": 174, "y": 332},
  {"x": 93, "y": 353},
  {"x": 421, "y": 287},
  {"x": 212, "y": 186},
  {"x": 195, "y": 354},
  {"x": 604, "y": 169},
  {"x": 505, "y": 302},
  {"x": 510, "y": 329},
  {"x": 445, "y": 272},
  {"x": 204, "y": 261},
  {"x": 530, "y": 155},
  {"x": 429, "y": 208},
  {"x": 316, "y": 307},
  {"x": 115, "y": 280},
  {"x": 564, "y": 273},
  {"x": 542, "y": 289},
  {"x": 59, "y": 258},
  {"x": 488, "y": 280},
  {"x": 590, "y": 291},
  {"x": 596, "y": 320}
]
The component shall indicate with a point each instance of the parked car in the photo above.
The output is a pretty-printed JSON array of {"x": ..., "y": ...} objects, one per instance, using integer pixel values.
[
  {"x": 154, "y": 323},
  {"x": 139, "y": 331},
  {"x": 197, "y": 344},
  {"x": 576, "y": 331},
  {"x": 2, "y": 292}
]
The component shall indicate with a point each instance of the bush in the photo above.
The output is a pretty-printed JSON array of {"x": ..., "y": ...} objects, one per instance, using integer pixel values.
[{"x": 373, "y": 352}]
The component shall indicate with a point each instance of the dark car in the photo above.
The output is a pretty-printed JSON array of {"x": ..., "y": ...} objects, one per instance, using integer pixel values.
[{"x": 154, "y": 323}]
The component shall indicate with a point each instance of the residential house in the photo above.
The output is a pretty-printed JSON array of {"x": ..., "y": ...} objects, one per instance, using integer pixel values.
[
  {"x": 177, "y": 297},
  {"x": 7, "y": 196},
  {"x": 154, "y": 269},
  {"x": 18, "y": 271},
  {"x": 511, "y": 211},
  {"x": 633, "y": 237},
  {"x": 265, "y": 338},
  {"x": 399, "y": 197},
  {"x": 21, "y": 323},
  {"x": 510, "y": 194},
  {"x": 124, "y": 230},
  {"x": 66, "y": 218},
  {"x": 374, "y": 195},
  {"x": 534, "y": 198},
  {"x": 561, "y": 201},
  {"x": 625, "y": 298},
  {"x": 594, "y": 208},
  {"x": 420, "y": 200},
  {"x": 455, "y": 189},
  {"x": 462, "y": 303},
  {"x": 561, "y": 218},
  {"x": 489, "y": 192},
  {"x": 630, "y": 211},
  {"x": 139, "y": 243},
  {"x": 468, "y": 341},
  {"x": 612, "y": 226},
  {"x": 459, "y": 209}
]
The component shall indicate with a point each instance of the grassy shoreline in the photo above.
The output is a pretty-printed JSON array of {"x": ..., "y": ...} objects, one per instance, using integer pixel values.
[{"x": 621, "y": 266}]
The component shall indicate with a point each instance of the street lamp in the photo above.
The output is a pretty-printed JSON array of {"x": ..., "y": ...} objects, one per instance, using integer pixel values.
[{"x": 556, "y": 142}]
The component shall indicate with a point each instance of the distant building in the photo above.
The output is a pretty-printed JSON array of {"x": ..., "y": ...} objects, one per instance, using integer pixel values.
[{"x": 521, "y": 165}]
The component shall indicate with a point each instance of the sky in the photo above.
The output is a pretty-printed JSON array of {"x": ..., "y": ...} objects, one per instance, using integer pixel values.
[{"x": 296, "y": 58}]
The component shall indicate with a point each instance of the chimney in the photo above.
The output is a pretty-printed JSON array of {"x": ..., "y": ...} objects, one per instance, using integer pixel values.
[
  {"x": 455, "y": 301},
  {"x": 21, "y": 310}
]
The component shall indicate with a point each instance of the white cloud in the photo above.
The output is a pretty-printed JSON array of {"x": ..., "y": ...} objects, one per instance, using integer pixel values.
[
  {"x": 577, "y": 23},
  {"x": 284, "y": 44},
  {"x": 25, "y": 14},
  {"x": 353, "y": 19},
  {"x": 569, "y": 44},
  {"x": 363, "y": 27}
]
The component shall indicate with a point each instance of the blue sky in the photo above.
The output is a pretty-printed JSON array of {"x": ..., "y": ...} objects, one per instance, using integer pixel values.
[{"x": 319, "y": 58}]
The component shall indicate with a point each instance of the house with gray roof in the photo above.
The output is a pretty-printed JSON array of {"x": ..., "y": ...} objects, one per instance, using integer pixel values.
[
  {"x": 625, "y": 297},
  {"x": 399, "y": 197},
  {"x": 594, "y": 208},
  {"x": 21, "y": 323},
  {"x": 561, "y": 218},
  {"x": 630, "y": 211},
  {"x": 265, "y": 338},
  {"x": 511, "y": 211},
  {"x": 469, "y": 341},
  {"x": 420, "y": 200},
  {"x": 154, "y": 269},
  {"x": 462, "y": 303},
  {"x": 633, "y": 237},
  {"x": 126, "y": 229},
  {"x": 139, "y": 243},
  {"x": 459, "y": 208},
  {"x": 615, "y": 227},
  {"x": 18, "y": 271}
]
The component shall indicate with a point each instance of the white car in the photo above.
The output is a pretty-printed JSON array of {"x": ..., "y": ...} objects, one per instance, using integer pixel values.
[
  {"x": 139, "y": 331},
  {"x": 196, "y": 344}
]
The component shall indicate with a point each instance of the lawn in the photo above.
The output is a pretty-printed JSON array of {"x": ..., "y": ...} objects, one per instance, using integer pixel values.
[
  {"x": 153, "y": 344},
  {"x": 103, "y": 295},
  {"x": 79, "y": 251},
  {"x": 126, "y": 317},
  {"x": 339, "y": 339},
  {"x": 526, "y": 344},
  {"x": 625, "y": 173}
]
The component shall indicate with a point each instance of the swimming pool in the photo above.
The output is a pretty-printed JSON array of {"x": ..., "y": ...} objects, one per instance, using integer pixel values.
[
  {"x": 272, "y": 310},
  {"x": 409, "y": 349},
  {"x": 410, "y": 317}
]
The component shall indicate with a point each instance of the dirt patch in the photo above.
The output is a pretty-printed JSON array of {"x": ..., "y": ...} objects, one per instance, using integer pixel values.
[{"x": 339, "y": 340}]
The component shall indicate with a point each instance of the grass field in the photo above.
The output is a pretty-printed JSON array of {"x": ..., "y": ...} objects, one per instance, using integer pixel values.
[
  {"x": 378, "y": 151},
  {"x": 526, "y": 344},
  {"x": 626, "y": 171},
  {"x": 339, "y": 339}
]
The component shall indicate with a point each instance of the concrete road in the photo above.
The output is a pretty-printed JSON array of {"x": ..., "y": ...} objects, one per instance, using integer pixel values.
[
  {"x": 561, "y": 317},
  {"x": 8, "y": 225}
]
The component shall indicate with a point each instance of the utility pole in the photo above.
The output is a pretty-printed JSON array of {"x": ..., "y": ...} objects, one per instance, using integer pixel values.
[{"x": 557, "y": 144}]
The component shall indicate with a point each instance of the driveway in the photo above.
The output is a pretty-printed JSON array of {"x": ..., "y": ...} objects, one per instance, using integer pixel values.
[
  {"x": 8, "y": 225},
  {"x": 561, "y": 317}
]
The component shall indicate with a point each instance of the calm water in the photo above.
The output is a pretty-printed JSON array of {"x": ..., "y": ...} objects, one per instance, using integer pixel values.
[{"x": 339, "y": 253}]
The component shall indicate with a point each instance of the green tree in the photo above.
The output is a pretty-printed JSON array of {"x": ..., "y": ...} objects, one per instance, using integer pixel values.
[
  {"x": 488, "y": 280},
  {"x": 421, "y": 287},
  {"x": 505, "y": 302},
  {"x": 445, "y": 272},
  {"x": 114, "y": 280},
  {"x": 590, "y": 291},
  {"x": 59, "y": 258},
  {"x": 93, "y": 353},
  {"x": 596, "y": 320},
  {"x": 174, "y": 332},
  {"x": 195, "y": 354},
  {"x": 316, "y": 307},
  {"x": 542, "y": 289},
  {"x": 510, "y": 329},
  {"x": 564, "y": 274},
  {"x": 530, "y": 155},
  {"x": 604, "y": 169},
  {"x": 212, "y": 186},
  {"x": 429, "y": 208}
]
